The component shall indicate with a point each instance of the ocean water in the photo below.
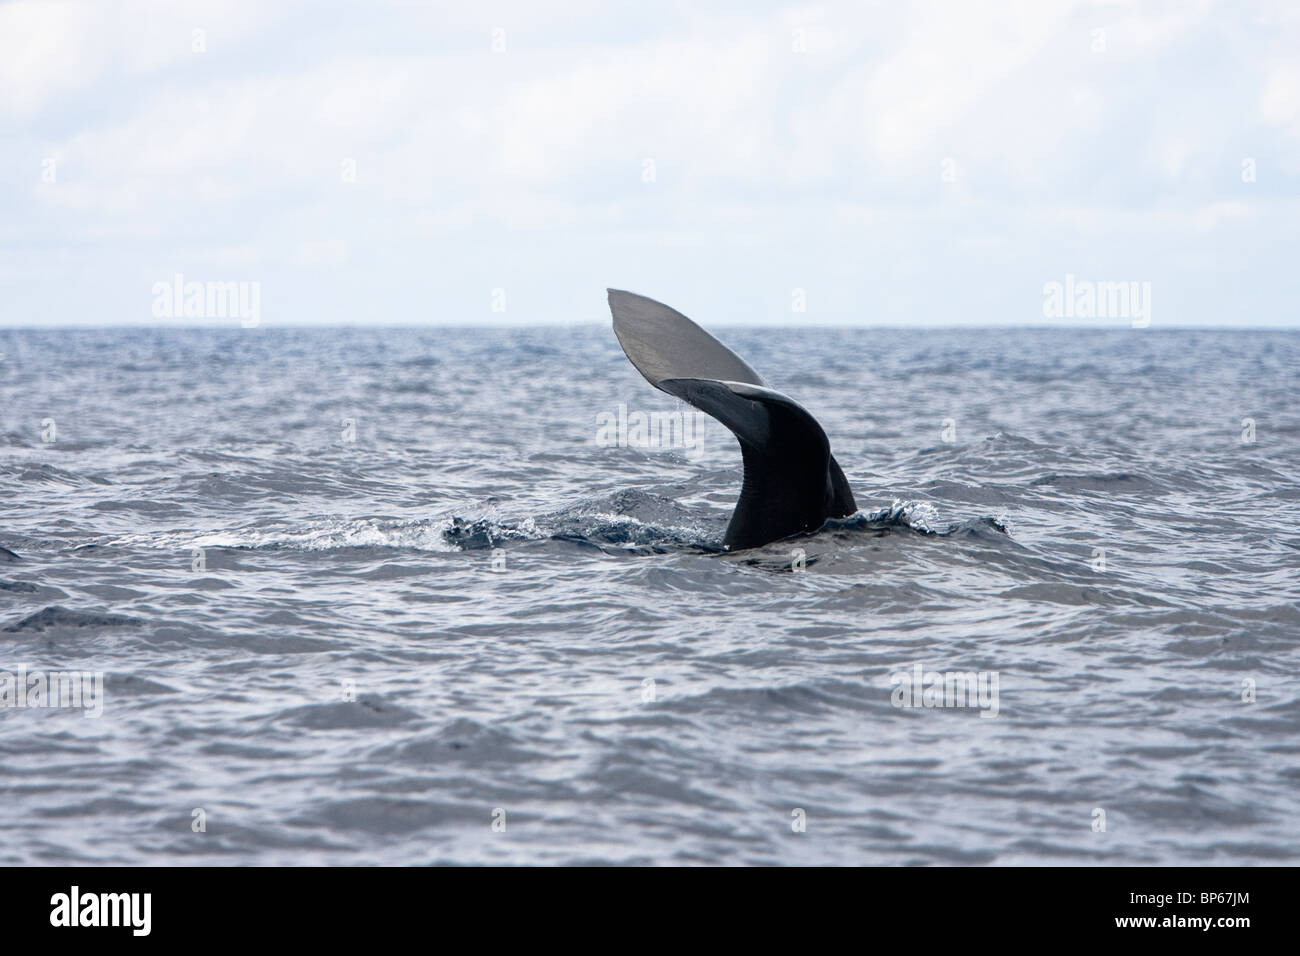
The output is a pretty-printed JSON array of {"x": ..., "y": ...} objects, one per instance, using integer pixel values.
[{"x": 390, "y": 596}]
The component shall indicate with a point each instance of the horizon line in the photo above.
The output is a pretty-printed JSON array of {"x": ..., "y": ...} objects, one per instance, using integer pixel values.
[{"x": 202, "y": 325}]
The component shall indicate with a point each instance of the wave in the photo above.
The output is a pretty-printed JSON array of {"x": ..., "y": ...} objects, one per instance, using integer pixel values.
[
  {"x": 328, "y": 534},
  {"x": 629, "y": 521},
  {"x": 60, "y": 618}
]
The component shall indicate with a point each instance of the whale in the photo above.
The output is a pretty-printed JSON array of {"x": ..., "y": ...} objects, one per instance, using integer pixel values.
[{"x": 792, "y": 483}]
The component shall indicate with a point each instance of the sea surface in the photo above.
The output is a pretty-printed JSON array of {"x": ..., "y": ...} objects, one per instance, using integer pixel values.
[{"x": 393, "y": 596}]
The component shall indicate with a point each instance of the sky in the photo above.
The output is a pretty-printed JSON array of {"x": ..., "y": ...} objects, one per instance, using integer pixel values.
[{"x": 502, "y": 163}]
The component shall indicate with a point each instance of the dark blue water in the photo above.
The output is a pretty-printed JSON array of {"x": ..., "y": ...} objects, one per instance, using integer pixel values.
[{"x": 366, "y": 644}]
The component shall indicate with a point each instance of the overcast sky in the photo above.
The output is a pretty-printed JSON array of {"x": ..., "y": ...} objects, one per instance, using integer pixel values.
[{"x": 503, "y": 162}]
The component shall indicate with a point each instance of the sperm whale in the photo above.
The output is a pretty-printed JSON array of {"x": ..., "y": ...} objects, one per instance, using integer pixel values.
[{"x": 792, "y": 483}]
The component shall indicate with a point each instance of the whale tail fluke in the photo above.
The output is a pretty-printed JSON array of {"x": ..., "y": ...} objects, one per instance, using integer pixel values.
[
  {"x": 662, "y": 343},
  {"x": 792, "y": 483}
]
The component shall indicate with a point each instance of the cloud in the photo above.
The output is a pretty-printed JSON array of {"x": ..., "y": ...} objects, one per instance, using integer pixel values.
[
  {"x": 48, "y": 49},
  {"x": 828, "y": 142}
]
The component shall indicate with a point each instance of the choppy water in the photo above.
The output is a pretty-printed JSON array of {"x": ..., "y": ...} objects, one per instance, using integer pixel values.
[{"x": 327, "y": 561}]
